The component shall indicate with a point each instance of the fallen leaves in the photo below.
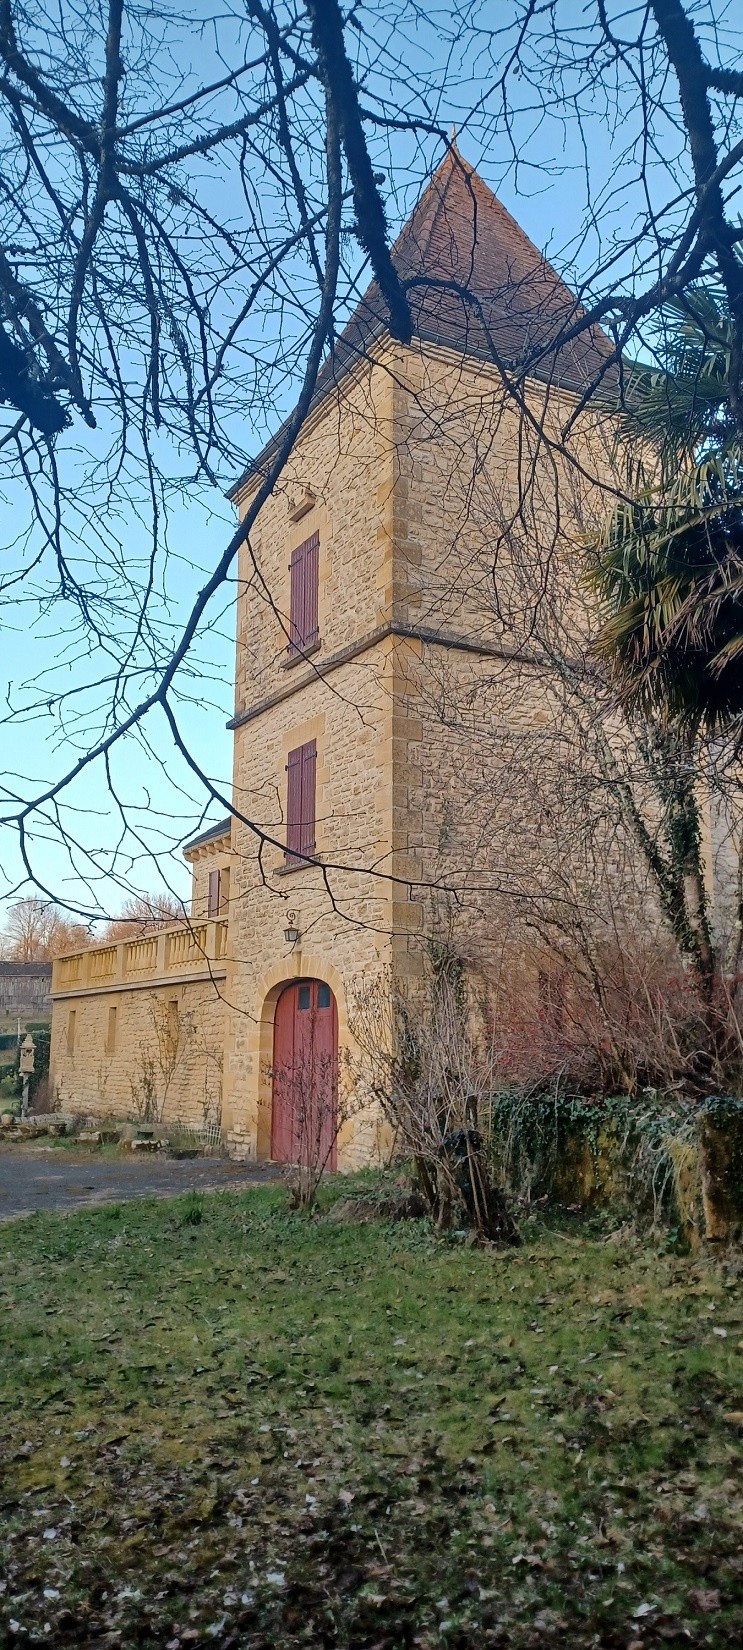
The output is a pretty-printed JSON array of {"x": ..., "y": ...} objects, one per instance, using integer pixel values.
[
  {"x": 705, "y": 1599},
  {"x": 235, "y": 1476}
]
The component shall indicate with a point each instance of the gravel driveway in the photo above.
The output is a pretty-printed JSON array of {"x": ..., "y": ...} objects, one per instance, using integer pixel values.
[{"x": 42, "y": 1177}]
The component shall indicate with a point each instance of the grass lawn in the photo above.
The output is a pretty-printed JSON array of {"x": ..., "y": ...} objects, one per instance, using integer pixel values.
[{"x": 224, "y": 1424}]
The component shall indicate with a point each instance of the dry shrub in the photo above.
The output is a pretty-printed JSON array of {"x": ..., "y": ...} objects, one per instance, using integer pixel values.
[
  {"x": 425, "y": 1054},
  {"x": 624, "y": 1019}
]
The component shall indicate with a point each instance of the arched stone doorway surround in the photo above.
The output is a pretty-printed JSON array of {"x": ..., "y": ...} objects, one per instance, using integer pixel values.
[
  {"x": 304, "y": 1093},
  {"x": 301, "y": 966},
  {"x": 364, "y": 1137}
]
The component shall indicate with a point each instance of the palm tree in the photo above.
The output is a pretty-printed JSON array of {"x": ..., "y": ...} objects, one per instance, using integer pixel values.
[
  {"x": 669, "y": 562},
  {"x": 668, "y": 569}
]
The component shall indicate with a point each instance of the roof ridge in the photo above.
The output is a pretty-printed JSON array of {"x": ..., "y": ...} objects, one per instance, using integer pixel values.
[{"x": 452, "y": 158}]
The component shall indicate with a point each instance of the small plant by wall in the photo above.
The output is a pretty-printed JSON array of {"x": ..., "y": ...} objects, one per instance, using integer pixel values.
[{"x": 143, "y": 1085}]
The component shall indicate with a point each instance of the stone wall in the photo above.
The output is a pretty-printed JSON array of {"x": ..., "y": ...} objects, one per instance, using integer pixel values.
[
  {"x": 343, "y": 461},
  {"x": 211, "y": 857},
  {"x": 509, "y": 785},
  {"x": 418, "y": 695},
  {"x": 343, "y": 698},
  {"x": 167, "y": 1042},
  {"x": 341, "y": 909}
]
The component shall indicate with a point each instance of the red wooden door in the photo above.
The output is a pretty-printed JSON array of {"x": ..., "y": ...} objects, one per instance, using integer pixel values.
[{"x": 305, "y": 1075}]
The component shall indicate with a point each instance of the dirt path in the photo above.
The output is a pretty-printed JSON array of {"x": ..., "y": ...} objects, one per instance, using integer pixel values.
[{"x": 39, "y": 1177}]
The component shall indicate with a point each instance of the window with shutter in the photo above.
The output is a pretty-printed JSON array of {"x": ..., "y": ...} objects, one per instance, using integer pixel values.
[
  {"x": 304, "y": 573},
  {"x": 212, "y": 899},
  {"x": 300, "y": 802},
  {"x": 173, "y": 1026}
]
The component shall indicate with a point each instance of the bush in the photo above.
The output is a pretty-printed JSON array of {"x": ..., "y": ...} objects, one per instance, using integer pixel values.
[
  {"x": 10, "y": 1088},
  {"x": 425, "y": 1058},
  {"x": 616, "y": 1016}
]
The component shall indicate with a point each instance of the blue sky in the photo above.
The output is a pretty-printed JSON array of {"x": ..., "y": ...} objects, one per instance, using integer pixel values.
[{"x": 543, "y": 185}]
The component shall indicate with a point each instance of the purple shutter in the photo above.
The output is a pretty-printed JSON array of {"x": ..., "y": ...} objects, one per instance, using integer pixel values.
[
  {"x": 303, "y": 571},
  {"x": 309, "y": 763},
  {"x": 293, "y": 803},
  {"x": 296, "y": 573},
  {"x": 300, "y": 801},
  {"x": 312, "y": 564}
]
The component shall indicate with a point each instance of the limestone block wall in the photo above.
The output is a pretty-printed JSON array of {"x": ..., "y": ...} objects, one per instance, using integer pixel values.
[
  {"x": 452, "y": 612},
  {"x": 488, "y": 509},
  {"x": 723, "y": 835},
  {"x": 524, "y": 854},
  {"x": 212, "y": 857},
  {"x": 342, "y": 460},
  {"x": 403, "y": 476},
  {"x": 514, "y": 832},
  {"x": 110, "y": 1049},
  {"x": 501, "y": 806},
  {"x": 343, "y": 909}
]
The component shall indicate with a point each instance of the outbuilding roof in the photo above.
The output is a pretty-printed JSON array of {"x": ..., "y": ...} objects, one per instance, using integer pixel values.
[{"x": 222, "y": 827}]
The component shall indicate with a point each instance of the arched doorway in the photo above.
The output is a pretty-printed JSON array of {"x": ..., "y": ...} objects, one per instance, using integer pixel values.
[{"x": 304, "y": 1112}]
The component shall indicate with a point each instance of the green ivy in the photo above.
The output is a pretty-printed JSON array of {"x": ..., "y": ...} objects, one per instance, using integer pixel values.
[{"x": 543, "y": 1141}]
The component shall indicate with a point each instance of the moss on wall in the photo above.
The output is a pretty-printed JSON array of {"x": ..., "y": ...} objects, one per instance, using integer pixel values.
[
  {"x": 643, "y": 1156},
  {"x": 721, "y": 1142}
]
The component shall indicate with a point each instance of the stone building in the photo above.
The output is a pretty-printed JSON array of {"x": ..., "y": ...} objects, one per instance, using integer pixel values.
[
  {"x": 25, "y": 992},
  {"x": 380, "y": 694}
]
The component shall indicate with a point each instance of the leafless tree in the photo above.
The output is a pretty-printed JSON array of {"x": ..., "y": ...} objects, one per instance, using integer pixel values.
[
  {"x": 143, "y": 915},
  {"x": 36, "y": 930},
  {"x": 187, "y": 203}
]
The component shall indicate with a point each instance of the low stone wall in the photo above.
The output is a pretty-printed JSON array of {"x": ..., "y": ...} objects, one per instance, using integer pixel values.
[
  {"x": 721, "y": 1152},
  {"x": 673, "y": 1165}
]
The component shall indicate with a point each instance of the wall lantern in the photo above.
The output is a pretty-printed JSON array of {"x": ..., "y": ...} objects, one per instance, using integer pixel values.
[{"x": 291, "y": 932}]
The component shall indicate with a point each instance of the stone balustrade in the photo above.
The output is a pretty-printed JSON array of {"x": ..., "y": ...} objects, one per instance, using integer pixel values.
[{"x": 188, "y": 950}]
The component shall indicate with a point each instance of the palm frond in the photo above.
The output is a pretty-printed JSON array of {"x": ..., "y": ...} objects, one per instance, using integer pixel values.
[{"x": 667, "y": 563}]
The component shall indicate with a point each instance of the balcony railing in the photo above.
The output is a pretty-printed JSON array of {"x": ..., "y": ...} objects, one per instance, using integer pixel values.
[{"x": 198, "y": 948}]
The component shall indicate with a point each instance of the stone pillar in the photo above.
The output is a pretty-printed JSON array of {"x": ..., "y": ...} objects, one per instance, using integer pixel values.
[{"x": 721, "y": 1146}]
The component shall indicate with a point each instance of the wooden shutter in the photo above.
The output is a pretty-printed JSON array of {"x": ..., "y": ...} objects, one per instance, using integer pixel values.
[
  {"x": 300, "y": 800},
  {"x": 309, "y": 762},
  {"x": 304, "y": 572},
  {"x": 293, "y": 802},
  {"x": 212, "y": 902}
]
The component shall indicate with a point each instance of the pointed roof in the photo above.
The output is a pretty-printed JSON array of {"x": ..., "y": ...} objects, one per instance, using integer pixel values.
[{"x": 478, "y": 285}]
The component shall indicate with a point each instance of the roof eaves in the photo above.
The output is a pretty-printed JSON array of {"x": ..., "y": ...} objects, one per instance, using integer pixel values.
[
  {"x": 331, "y": 374},
  {"x": 220, "y": 829}
]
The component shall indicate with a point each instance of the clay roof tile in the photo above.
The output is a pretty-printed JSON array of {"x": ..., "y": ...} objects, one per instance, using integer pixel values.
[{"x": 476, "y": 283}]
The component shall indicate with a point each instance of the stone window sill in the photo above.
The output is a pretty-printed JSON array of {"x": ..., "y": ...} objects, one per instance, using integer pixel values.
[
  {"x": 290, "y": 866},
  {"x": 298, "y": 657}
]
